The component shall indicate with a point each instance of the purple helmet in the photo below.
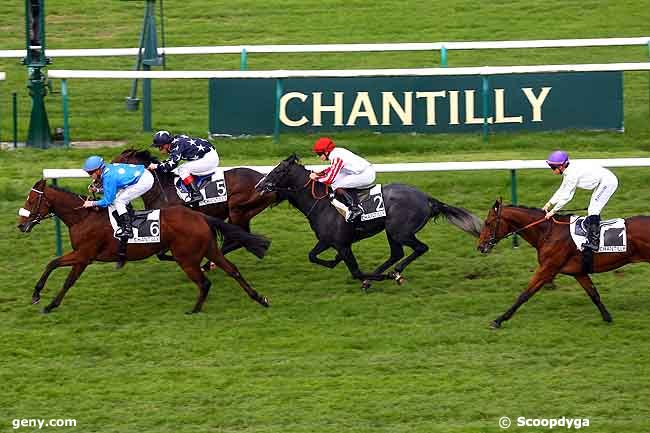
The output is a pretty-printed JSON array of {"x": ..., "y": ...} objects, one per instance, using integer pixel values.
[{"x": 558, "y": 157}]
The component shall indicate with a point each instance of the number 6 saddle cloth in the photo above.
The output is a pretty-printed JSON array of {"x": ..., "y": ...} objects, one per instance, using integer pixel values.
[
  {"x": 613, "y": 238},
  {"x": 146, "y": 226},
  {"x": 371, "y": 201}
]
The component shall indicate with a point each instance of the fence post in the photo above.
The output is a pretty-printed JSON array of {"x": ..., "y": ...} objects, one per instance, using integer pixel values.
[
  {"x": 146, "y": 101},
  {"x": 242, "y": 60},
  {"x": 66, "y": 124},
  {"x": 14, "y": 104},
  {"x": 57, "y": 229},
  {"x": 513, "y": 192},
  {"x": 486, "y": 90},
  {"x": 278, "y": 95}
]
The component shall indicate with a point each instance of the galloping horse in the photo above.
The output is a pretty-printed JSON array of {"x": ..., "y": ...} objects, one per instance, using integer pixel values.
[
  {"x": 556, "y": 251},
  {"x": 407, "y": 212},
  {"x": 243, "y": 201},
  {"x": 188, "y": 234}
]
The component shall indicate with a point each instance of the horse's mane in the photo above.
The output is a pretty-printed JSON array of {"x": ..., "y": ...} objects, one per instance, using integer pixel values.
[{"x": 140, "y": 155}]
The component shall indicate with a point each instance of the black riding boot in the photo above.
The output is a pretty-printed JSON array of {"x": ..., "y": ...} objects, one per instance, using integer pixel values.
[
  {"x": 195, "y": 194},
  {"x": 126, "y": 232},
  {"x": 354, "y": 209},
  {"x": 593, "y": 232}
]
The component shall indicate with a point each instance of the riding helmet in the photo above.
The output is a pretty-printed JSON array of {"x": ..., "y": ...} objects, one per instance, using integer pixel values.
[
  {"x": 324, "y": 145},
  {"x": 93, "y": 163},
  {"x": 161, "y": 138},
  {"x": 558, "y": 157}
]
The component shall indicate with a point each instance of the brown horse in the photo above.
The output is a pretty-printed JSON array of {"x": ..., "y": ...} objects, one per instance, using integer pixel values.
[
  {"x": 243, "y": 201},
  {"x": 188, "y": 234},
  {"x": 556, "y": 251}
]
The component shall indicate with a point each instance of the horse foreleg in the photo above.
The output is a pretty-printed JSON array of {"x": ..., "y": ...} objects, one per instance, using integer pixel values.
[
  {"x": 319, "y": 248},
  {"x": 419, "y": 248},
  {"x": 541, "y": 277},
  {"x": 230, "y": 269},
  {"x": 65, "y": 260},
  {"x": 588, "y": 285},
  {"x": 75, "y": 272}
]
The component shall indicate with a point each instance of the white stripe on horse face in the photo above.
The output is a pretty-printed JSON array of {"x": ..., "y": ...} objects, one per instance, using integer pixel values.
[{"x": 24, "y": 212}]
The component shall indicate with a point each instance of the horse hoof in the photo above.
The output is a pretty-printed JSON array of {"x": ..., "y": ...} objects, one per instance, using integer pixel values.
[
  {"x": 36, "y": 300},
  {"x": 265, "y": 302},
  {"x": 495, "y": 325},
  {"x": 46, "y": 310},
  {"x": 365, "y": 285},
  {"x": 400, "y": 280}
]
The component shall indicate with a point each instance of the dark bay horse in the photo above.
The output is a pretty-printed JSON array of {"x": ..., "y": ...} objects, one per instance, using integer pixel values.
[
  {"x": 243, "y": 201},
  {"x": 556, "y": 251},
  {"x": 189, "y": 235},
  {"x": 407, "y": 211}
]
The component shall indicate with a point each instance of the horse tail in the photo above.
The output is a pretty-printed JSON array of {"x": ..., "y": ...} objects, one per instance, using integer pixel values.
[
  {"x": 461, "y": 218},
  {"x": 255, "y": 244}
]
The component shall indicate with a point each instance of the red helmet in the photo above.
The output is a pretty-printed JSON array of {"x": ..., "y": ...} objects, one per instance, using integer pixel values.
[{"x": 324, "y": 145}]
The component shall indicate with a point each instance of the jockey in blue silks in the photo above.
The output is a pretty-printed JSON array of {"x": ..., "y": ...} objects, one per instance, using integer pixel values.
[{"x": 121, "y": 183}]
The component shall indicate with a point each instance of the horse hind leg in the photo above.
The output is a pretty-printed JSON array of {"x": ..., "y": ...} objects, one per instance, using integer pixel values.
[
  {"x": 217, "y": 257},
  {"x": 587, "y": 284},
  {"x": 418, "y": 247},
  {"x": 396, "y": 253},
  {"x": 194, "y": 273}
]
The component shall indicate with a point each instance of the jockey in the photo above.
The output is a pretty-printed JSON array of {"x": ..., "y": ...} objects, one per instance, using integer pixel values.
[
  {"x": 201, "y": 156},
  {"x": 346, "y": 170},
  {"x": 121, "y": 183},
  {"x": 584, "y": 175}
]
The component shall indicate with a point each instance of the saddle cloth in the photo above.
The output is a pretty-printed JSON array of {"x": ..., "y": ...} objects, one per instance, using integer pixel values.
[
  {"x": 371, "y": 201},
  {"x": 212, "y": 187},
  {"x": 146, "y": 226},
  {"x": 613, "y": 238}
]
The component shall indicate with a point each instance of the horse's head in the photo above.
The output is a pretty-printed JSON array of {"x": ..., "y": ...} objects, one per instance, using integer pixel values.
[
  {"x": 36, "y": 208},
  {"x": 280, "y": 177},
  {"x": 135, "y": 156},
  {"x": 494, "y": 228}
]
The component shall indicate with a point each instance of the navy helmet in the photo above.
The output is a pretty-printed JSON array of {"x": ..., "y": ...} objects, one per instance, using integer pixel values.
[{"x": 162, "y": 138}]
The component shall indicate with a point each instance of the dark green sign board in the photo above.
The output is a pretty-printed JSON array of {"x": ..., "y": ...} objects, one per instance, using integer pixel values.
[{"x": 553, "y": 101}]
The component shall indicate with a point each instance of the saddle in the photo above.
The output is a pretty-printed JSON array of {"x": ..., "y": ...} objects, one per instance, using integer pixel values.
[
  {"x": 201, "y": 181},
  {"x": 613, "y": 237}
]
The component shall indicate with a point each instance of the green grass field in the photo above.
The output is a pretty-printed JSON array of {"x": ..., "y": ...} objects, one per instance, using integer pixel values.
[{"x": 120, "y": 355}]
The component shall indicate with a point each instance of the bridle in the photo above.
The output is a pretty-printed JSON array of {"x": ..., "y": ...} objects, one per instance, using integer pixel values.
[
  {"x": 494, "y": 239},
  {"x": 38, "y": 218}
]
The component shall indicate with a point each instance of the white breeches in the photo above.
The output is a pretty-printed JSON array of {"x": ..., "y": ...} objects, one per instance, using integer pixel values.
[
  {"x": 205, "y": 165},
  {"x": 602, "y": 194},
  {"x": 365, "y": 178},
  {"x": 131, "y": 192}
]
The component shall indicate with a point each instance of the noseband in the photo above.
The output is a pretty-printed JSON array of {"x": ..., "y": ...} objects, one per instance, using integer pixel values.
[{"x": 38, "y": 218}]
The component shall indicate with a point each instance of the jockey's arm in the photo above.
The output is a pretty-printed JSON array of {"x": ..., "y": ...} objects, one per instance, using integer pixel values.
[
  {"x": 331, "y": 172},
  {"x": 565, "y": 193},
  {"x": 110, "y": 191},
  {"x": 170, "y": 163}
]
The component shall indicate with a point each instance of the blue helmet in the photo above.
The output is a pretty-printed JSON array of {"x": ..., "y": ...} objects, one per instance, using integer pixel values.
[
  {"x": 558, "y": 157},
  {"x": 161, "y": 138},
  {"x": 93, "y": 163}
]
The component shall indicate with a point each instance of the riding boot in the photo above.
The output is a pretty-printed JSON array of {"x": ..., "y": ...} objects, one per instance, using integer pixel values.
[
  {"x": 593, "y": 232},
  {"x": 126, "y": 232},
  {"x": 354, "y": 210},
  {"x": 195, "y": 193}
]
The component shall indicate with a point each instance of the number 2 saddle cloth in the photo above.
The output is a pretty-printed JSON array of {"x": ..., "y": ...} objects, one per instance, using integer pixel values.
[{"x": 371, "y": 201}]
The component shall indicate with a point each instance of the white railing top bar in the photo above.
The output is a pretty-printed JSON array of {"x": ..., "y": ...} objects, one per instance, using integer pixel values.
[
  {"x": 483, "y": 70},
  {"x": 341, "y": 48},
  {"x": 59, "y": 173}
]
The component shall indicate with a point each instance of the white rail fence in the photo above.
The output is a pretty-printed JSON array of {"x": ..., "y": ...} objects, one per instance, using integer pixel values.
[{"x": 511, "y": 165}]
